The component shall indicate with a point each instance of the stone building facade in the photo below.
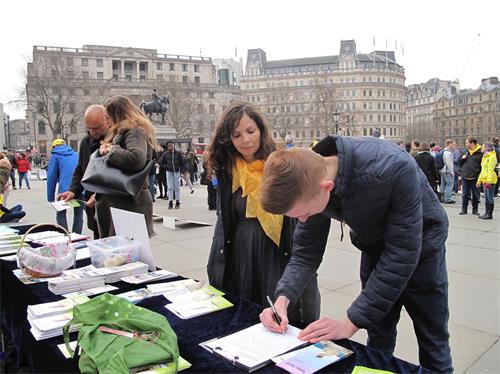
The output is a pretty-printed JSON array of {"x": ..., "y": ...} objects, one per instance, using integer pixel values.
[
  {"x": 469, "y": 112},
  {"x": 300, "y": 96},
  {"x": 420, "y": 99},
  {"x": 63, "y": 82}
]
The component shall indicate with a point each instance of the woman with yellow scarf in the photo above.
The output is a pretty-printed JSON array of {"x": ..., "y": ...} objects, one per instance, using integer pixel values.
[{"x": 250, "y": 247}]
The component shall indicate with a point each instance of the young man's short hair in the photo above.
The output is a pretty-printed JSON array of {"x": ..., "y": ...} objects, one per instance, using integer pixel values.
[
  {"x": 290, "y": 175},
  {"x": 448, "y": 142},
  {"x": 472, "y": 139}
]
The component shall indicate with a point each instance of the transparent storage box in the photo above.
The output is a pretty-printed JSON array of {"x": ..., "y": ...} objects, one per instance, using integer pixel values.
[{"x": 113, "y": 251}]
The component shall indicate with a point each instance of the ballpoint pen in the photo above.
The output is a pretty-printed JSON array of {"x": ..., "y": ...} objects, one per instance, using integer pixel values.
[{"x": 277, "y": 318}]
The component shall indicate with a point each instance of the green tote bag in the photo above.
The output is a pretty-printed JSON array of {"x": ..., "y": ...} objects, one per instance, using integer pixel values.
[{"x": 116, "y": 336}]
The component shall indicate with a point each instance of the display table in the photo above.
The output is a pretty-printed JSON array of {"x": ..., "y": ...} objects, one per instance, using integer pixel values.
[{"x": 25, "y": 354}]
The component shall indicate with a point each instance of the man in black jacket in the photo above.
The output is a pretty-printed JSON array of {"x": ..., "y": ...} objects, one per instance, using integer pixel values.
[
  {"x": 470, "y": 169},
  {"x": 397, "y": 222},
  {"x": 97, "y": 128}
]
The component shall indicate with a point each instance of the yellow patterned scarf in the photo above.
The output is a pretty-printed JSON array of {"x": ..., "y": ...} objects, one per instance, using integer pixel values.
[{"x": 248, "y": 177}]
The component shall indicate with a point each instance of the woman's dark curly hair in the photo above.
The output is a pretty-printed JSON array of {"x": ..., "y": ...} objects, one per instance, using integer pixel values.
[{"x": 221, "y": 153}]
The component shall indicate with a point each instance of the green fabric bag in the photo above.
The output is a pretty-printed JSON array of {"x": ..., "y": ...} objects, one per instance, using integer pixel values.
[{"x": 104, "y": 352}]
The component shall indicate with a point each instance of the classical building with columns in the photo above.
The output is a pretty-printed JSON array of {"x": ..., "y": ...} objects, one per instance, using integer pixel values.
[
  {"x": 63, "y": 82},
  {"x": 350, "y": 93}
]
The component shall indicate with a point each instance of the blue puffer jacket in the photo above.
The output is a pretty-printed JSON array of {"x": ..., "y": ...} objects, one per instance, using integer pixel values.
[
  {"x": 62, "y": 164},
  {"x": 394, "y": 217}
]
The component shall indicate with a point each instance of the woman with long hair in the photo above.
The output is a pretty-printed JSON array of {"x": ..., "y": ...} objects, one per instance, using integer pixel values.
[
  {"x": 250, "y": 247},
  {"x": 129, "y": 146}
]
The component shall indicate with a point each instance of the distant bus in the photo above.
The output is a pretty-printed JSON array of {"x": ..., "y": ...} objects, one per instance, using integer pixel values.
[{"x": 199, "y": 148}]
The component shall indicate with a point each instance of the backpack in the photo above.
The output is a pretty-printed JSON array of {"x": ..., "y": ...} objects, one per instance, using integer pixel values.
[{"x": 440, "y": 160}]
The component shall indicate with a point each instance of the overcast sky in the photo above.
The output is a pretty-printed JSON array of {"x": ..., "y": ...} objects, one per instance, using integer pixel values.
[{"x": 441, "y": 38}]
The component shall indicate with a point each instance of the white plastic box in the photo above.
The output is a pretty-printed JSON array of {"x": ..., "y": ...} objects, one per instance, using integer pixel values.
[{"x": 113, "y": 251}]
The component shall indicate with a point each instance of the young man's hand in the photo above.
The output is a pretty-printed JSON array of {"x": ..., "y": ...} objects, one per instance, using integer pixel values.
[
  {"x": 328, "y": 329},
  {"x": 267, "y": 316},
  {"x": 91, "y": 201}
]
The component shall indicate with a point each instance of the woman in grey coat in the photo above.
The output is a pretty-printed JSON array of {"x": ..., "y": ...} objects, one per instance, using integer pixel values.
[{"x": 129, "y": 145}]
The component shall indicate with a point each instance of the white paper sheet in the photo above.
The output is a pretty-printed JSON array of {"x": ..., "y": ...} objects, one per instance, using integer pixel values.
[{"x": 255, "y": 345}]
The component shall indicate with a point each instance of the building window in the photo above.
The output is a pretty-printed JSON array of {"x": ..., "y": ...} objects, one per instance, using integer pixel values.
[
  {"x": 184, "y": 79},
  {"x": 172, "y": 78},
  {"x": 211, "y": 95},
  {"x": 72, "y": 108},
  {"x": 184, "y": 67},
  {"x": 41, "y": 128},
  {"x": 115, "y": 77},
  {"x": 85, "y": 74},
  {"x": 197, "y": 80},
  {"x": 116, "y": 65},
  {"x": 211, "y": 109},
  {"x": 196, "y": 68},
  {"x": 159, "y": 77},
  {"x": 99, "y": 63},
  {"x": 142, "y": 78},
  {"x": 39, "y": 106},
  {"x": 100, "y": 75},
  {"x": 172, "y": 66},
  {"x": 128, "y": 77},
  {"x": 158, "y": 66},
  {"x": 85, "y": 62}
]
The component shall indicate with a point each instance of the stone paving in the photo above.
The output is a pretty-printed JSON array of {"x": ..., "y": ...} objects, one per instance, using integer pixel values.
[{"x": 473, "y": 258}]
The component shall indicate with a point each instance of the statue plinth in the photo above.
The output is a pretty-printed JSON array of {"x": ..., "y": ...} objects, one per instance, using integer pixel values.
[{"x": 164, "y": 133}]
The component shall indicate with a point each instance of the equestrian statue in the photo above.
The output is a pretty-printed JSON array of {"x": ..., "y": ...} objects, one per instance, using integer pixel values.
[{"x": 159, "y": 105}]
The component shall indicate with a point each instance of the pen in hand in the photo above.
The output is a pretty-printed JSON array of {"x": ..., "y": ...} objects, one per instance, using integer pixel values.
[{"x": 277, "y": 318}]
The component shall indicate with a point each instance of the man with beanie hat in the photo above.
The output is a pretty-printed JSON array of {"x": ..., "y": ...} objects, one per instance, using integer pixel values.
[{"x": 62, "y": 164}]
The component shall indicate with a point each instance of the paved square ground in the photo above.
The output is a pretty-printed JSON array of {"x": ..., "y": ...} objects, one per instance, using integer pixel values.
[{"x": 473, "y": 258}]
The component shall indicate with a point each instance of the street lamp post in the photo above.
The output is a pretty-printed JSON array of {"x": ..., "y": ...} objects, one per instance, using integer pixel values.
[
  {"x": 34, "y": 129},
  {"x": 6, "y": 123},
  {"x": 336, "y": 116}
]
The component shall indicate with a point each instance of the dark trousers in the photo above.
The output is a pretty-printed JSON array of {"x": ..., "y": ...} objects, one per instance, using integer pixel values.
[
  {"x": 468, "y": 187},
  {"x": 13, "y": 177},
  {"x": 425, "y": 298},
  {"x": 212, "y": 197},
  {"x": 162, "y": 182},
  {"x": 16, "y": 212}
]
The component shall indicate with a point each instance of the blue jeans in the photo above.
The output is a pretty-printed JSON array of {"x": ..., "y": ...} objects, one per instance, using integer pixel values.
[
  {"x": 468, "y": 187},
  {"x": 25, "y": 177},
  {"x": 174, "y": 190},
  {"x": 446, "y": 186},
  {"x": 77, "y": 219},
  {"x": 488, "y": 194},
  {"x": 151, "y": 182},
  {"x": 16, "y": 212}
]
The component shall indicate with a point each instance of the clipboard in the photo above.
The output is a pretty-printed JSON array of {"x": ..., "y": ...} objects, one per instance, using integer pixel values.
[{"x": 234, "y": 346}]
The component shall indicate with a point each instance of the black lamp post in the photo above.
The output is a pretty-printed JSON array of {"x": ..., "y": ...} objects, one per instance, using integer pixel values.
[
  {"x": 336, "y": 116},
  {"x": 6, "y": 123}
]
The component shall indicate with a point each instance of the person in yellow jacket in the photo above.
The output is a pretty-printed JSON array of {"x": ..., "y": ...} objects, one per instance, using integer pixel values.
[{"x": 488, "y": 178}]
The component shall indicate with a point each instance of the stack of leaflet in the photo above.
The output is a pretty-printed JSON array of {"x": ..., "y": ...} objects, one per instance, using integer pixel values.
[
  {"x": 76, "y": 280},
  {"x": 149, "y": 277},
  {"x": 193, "y": 300},
  {"x": 115, "y": 273},
  {"x": 48, "y": 319},
  {"x": 10, "y": 240}
]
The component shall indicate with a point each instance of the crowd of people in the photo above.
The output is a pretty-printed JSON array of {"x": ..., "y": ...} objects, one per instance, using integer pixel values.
[
  {"x": 471, "y": 170},
  {"x": 274, "y": 208}
]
